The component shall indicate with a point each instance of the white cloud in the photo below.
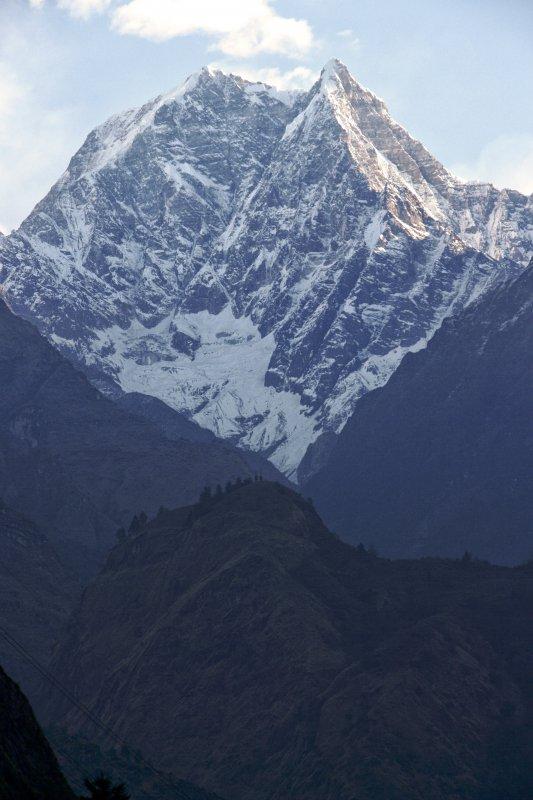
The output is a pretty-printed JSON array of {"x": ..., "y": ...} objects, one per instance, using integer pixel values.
[
  {"x": 507, "y": 162},
  {"x": 81, "y": 9},
  {"x": 34, "y": 141},
  {"x": 11, "y": 91},
  {"x": 240, "y": 28},
  {"x": 293, "y": 79},
  {"x": 36, "y": 138},
  {"x": 349, "y": 37}
]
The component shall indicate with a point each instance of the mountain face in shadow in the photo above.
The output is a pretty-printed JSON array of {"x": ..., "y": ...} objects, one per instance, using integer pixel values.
[
  {"x": 79, "y": 756},
  {"x": 78, "y": 464},
  {"x": 36, "y": 596},
  {"x": 439, "y": 460},
  {"x": 242, "y": 646},
  {"x": 28, "y": 768}
]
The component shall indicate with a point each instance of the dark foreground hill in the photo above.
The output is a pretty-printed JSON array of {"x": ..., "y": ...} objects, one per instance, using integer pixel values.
[
  {"x": 441, "y": 458},
  {"x": 28, "y": 768},
  {"x": 80, "y": 465},
  {"x": 241, "y": 645}
]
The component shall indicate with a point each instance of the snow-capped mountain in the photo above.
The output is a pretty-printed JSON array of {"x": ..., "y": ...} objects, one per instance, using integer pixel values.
[{"x": 256, "y": 258}]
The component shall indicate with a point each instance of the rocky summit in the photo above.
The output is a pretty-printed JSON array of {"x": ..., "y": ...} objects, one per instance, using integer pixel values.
[{"x": 257, "y": 259}]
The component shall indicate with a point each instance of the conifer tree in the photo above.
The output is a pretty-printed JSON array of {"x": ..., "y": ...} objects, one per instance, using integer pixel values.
[
  {"x": 206, "y": 495},
  {"x": 101, "y": 788},
  {"x": 134, "y": 525}
]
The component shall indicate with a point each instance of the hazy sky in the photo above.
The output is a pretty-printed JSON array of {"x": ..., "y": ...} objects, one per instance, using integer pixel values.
[{"x": 458, "y": 74}]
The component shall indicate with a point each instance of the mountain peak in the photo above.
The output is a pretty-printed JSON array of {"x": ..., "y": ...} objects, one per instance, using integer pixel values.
[
  {"x": 228, "y": 199},
  {"x": 335, "y": 68},
  {"x": 336, "y": 77}
]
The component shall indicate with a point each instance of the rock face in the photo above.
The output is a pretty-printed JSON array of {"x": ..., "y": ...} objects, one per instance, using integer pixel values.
[
  {"x": 242, "y": 646},
  {"x": 36, "y": 595},
  {"x": 257, "y": 259},
  {"x": 28, "y": 768},
  {"x": 77, "y": 463},
  {"x": 439, "y": 460}
]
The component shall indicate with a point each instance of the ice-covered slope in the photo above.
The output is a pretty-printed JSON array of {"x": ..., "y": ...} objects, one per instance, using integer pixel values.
[{"x": 256, "y": 259}]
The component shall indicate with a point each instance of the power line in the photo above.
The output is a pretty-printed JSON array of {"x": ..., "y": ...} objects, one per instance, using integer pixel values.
[{"x": 16, "y": 645}]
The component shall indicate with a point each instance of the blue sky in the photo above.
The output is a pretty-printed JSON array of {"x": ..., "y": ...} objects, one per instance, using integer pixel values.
[{"x": 457, "y": 74}]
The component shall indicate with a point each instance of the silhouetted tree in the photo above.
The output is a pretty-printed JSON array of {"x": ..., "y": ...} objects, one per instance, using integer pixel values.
[
  {"x": 135, "y": 525},
  {"x": 229, "y": 487},
  {"x": 143, "y": 519},
  {"x": 206, "y": 495},
  {"x": 218, "y": 490},
  {"x": 467, "y": 557},
  {"x": 121, "y": 534},
  {"x": 101, "y": 788}
]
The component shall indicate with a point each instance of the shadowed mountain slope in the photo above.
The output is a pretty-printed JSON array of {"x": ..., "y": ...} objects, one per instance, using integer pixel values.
[
  {"x": 78, "y": 464},
  {"x": 440, "y": 459},
  {"x": 36, "y": 595},
  {"x": 241, "y": 645},
  {"x": 123, "y": 765}
]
